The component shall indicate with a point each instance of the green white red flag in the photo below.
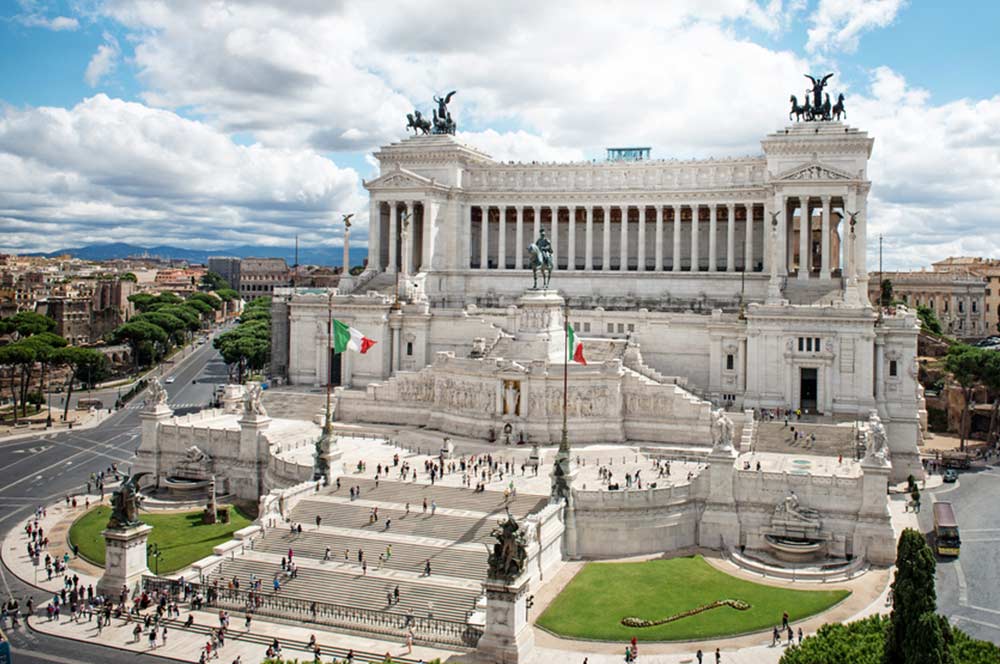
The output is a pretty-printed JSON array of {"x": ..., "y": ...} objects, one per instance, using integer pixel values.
[
  {"x": 574, "y": 347},
  {"x": 346, "y": 338}
]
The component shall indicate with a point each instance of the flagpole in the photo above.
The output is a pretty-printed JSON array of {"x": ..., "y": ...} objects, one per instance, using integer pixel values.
[{"x": 565, "y": 433}]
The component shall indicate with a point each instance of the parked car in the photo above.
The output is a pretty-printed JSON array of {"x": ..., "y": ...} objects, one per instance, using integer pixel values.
[
  {"x": 950, "y": 476},
  {"x": 169, "y": 379}
]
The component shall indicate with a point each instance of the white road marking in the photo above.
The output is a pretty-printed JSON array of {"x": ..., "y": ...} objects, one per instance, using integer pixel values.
[{"x": 982, "y": 623}]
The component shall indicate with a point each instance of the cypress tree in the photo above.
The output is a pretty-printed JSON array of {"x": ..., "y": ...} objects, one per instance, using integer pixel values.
[{"x": 915, "y": 635}]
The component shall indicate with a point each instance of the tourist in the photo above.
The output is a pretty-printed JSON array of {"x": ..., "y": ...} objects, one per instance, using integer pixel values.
[
  {"x": 395, "y": 594},
  {"x": 718, "y": 656},
  {"x": 326, "y": 555},
  {"x": 163, "y": 637},
  {"x": 427, "y": 567},
  {"x": 784, "y": 620},
  {"x": 434, "y": 507},
  {"x": 425, "y": 505},
  {"x": 409, "y": 642},
  {"x": 364, "y": 568},
  {"x": 775, "y": 636},
  {"x": 318, "y": 519},
  {"x": 152, "y": 638},
  {"x": 791, "y": 636},
  {"x": 698, "y": 655},
  {"x": 800, "y": 636}
]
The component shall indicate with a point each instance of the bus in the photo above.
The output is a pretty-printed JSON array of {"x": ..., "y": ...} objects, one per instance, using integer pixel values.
[{"x": 946, "y": 538}]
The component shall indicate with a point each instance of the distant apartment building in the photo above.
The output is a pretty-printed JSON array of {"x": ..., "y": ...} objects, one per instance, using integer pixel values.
[
  {"x": 958, "y": 299},
  {"x": 181, "y": 281},
  {"x": 987, "y": 268},
  {"x": 260, "y": 276},
  {"x": 228, "y": 267}
]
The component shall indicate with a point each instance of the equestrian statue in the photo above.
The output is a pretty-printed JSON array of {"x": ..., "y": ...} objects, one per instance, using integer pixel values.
[
  {"x": 541, "y": 260},
  {"x": 418, "y": 123},
  {"x": 443, "y": 124}
]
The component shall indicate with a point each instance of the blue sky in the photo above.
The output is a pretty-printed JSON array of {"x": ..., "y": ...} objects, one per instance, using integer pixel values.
[{"x": 219, "y": 123}]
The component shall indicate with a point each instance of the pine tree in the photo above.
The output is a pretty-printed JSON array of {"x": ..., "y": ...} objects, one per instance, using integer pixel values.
[{"x": 915, "y": 635}]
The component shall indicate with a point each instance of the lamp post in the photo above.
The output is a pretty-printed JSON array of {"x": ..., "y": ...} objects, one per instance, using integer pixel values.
[
  {"x": 403, "y": 235},
  {"x": 153, "y": 551}
]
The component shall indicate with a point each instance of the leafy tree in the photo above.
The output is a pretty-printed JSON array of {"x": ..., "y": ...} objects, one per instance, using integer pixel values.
[
  {"x": 200, "y": 307},
  {"x": 915, "y": 634},
  {"x": 146, "y": 340},
  {"x": 129, "y": 276},
  {"x": 886, "y": 294},
  {"x": 966, "y": 364},
  {"x": 81, "y": 362},
  {"x": 248, "y": 346},
  {"x": 227, "y": 294},
  {"x": 46, "y": 346},
  {"x": 27, "y": 323},
  {"x": 174, "y": 326},
  {"x": 214, "y": 281},
  {"x": 17, "y": 358},
  {"x": 192, "y": 320},
  {"x": 209, "y": 299},
  {"x": 928, "y": 319}
]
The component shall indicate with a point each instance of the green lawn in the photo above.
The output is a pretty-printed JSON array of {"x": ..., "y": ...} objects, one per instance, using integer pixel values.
[
  {"x": 181, "y": 536},
  {"x": 594, "y": 603}
]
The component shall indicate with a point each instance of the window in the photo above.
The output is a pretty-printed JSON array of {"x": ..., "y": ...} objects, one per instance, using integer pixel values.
[
  {"x": 892, "y": 368},
  {"x": 586, "y": 327},
  {"x": 611, "y": 328},
  {"x": 802, "y": 344},
  {"x": 961, "y": 307},
  {"x": 809, "y": 344},
  {"x": 409, "y": 348},
  {"x": 631, "y": 327},
  {"x": 621, "y": 328},
  {"x": 973, "y": 306},
  {"x": 730, "y": 362},
  {"x": 816, "y": 344}
]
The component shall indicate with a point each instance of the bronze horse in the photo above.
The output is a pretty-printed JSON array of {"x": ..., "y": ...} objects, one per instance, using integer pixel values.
[
  {"x": 418, "y": 123},
  {"x": 839, "y": 109}
]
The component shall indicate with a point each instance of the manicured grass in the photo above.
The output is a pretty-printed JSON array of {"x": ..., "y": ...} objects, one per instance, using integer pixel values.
[
  {"x": 181, "y": 536},
  {"x": 595, "y": 601}
]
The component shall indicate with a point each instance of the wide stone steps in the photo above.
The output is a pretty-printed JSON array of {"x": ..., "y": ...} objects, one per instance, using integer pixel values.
[
  {"x": 438, "y": 526},
  {"x": 457, "y": 498},
  {"x": 831, "y": 440},
  {"x": 406, "y": 556},
  {"x": 422, "y": 597}
]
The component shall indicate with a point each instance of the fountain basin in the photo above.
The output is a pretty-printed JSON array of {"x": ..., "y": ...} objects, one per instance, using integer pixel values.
[{"x": 793, "y": 549}]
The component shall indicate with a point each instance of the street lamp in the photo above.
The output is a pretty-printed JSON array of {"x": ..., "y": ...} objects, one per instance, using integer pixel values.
[{"x": 153, "y": 551}]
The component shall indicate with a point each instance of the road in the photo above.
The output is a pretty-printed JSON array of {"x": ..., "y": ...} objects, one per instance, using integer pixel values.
[
  {"x": 44, "y": 468},
  {"x": 968, "y": 587}
]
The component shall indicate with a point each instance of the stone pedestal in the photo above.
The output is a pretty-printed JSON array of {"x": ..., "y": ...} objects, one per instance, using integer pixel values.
[
  {"x": 720, "y": 525},
  {"x": 508, "y": 638},
  {"x": 232, "y": 398},
  {"x": 124, "y": 560},
  {"x": 540, "y": 326},
  {"x": 148, "y": 455}
]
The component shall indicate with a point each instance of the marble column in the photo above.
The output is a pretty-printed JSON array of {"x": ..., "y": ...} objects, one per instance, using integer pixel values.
[
  {"x": 623, "y": 267},
  {"x": 804, "y": 226},
  {"x": 406, "y": 236},
  {"x": 571, "y": 238},
  {"x": 467, "y": 247},
  {"x": 411, "y": 240},
  {"x": 554, "y": 234},
  {"x": 606, "y": 248},
  {"x": 484, "y": 240},
  {"x": 641, "y": 248},
  {"x": 393, "y": 231},
  {"x": 589, "y": 240},
  {"x": 695, "y": 263},
  {"x": 502, "y": 238},
  {"x": 537, "y": 223},
  {"x": 658, "y": 265},
  {"x": 713, "y": 228},
  {"x": 824, "y": 268},
  {"x": 731, "y": 237},
  {"x": 748, "y": 263},
  {"x": 519, "y": 239},
  {"x": 345, "y": 275},
  {"x": 374, "y": 235},
  {"x": 677, "y": 240}
]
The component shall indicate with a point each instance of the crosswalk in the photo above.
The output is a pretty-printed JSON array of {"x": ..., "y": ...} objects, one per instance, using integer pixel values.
[{"x": 139, "y": 405}]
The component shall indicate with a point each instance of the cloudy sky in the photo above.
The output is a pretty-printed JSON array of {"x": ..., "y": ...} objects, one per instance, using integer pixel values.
[{"x": 208, "y": 123}]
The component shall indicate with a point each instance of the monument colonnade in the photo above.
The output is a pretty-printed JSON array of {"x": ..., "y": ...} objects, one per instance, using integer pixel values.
[{"x": 722, "y": 236}]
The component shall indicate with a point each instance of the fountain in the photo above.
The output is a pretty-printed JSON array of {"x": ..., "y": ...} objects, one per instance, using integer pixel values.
[
  {"x": 191, "y": 476},
  {"x": 796, "y": 532}
]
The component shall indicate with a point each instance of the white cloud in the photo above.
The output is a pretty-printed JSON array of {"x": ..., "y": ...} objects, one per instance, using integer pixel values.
[
  {"x": 56, "y": 23},
  {"x": 934, "y": 171},
  {"x": 103, "y": 62},
  {"x": 342, "y": 76},
  {"x": 110, "y": 170},
  {"x": 838, "y": 24}
]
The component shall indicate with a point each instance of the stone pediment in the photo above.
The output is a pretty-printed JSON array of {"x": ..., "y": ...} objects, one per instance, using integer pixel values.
[
  {"x": 400, "y": 178},
  {"x": 814, "y": 171}
]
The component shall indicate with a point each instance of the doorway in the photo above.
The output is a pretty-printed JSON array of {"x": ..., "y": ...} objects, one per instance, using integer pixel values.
[
  {"x": 335, "y": 368},
  {"x": 807, "y": 389}
]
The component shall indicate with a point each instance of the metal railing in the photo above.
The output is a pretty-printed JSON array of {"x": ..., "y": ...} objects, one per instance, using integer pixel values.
[{"x": 383, "y": 623}]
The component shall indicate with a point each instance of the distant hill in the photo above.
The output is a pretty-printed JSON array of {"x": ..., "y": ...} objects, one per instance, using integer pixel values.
[{"x": 307, "y": 255}]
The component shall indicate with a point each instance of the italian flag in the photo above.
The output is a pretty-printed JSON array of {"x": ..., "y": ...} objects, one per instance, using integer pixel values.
[
  {"x": 574, "y": 346},
  {"x": 346, "y": 337}
]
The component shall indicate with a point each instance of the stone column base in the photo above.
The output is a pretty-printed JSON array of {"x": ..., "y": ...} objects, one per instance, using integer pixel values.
[
  {"x": 124, "y": 560},
  {"x": 508, "y": 638}
]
